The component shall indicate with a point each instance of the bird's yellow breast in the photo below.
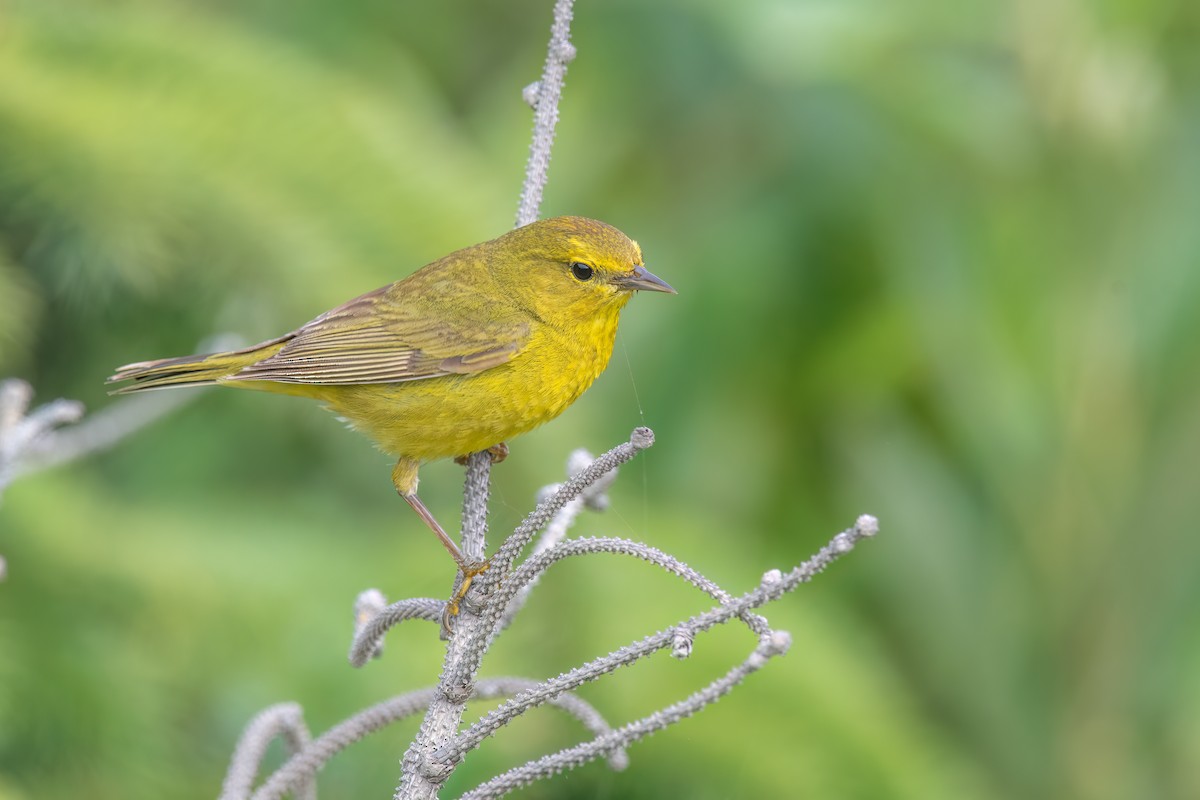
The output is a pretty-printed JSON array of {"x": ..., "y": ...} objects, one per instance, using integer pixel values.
[{"x": 458, "y": 414}]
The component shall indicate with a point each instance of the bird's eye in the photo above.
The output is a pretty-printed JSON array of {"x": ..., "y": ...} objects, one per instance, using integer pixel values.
[{"x": 582, "y": 272}]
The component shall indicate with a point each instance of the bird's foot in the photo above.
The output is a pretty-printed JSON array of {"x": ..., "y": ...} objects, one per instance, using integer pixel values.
[
  {"x": 469, "y": 573},
  {"x": 498, "y": 452}
]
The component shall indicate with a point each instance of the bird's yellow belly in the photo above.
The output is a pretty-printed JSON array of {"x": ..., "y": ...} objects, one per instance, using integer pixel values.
[{"x": 458, "y": 414}]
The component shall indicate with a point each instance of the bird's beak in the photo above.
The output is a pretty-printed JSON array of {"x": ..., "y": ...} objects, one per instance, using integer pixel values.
[{"x": 644, "y": 280}]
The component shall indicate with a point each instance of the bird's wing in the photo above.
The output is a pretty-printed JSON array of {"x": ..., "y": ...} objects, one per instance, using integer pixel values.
[{"x": 376, "y": 339}]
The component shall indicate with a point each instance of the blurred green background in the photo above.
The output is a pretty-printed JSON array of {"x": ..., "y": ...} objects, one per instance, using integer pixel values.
[{"x": 937, "y": 262}]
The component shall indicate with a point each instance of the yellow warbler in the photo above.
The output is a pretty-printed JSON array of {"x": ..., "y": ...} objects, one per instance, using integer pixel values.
[{"x": 465, "y": 353}]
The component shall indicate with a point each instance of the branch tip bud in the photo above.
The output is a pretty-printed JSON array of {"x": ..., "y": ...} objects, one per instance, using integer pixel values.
[
  {"x": 779, "y": 643},
  {"x": 866, "y": 525},
  {"x": 641, "y": 438}
]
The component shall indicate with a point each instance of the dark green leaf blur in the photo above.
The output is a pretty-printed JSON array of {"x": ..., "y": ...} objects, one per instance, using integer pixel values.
[{"x": 937, "y": 262}]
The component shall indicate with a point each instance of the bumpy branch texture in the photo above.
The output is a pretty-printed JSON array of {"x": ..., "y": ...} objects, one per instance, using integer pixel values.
[
  {"x": 435, "y": 755},
  {"x": 310, "y": 755},
  {"x": 543, "y": 96},
  {"x": 588, "y": 751},
  {"x": 773, "y": 587},
  {"x": 285, "y": 721}
]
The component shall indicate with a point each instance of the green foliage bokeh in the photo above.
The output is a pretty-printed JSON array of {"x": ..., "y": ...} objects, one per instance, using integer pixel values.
[{"x": 936, "y": 262}]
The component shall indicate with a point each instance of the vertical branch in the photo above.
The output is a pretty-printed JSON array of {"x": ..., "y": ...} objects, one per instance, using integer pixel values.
[
  {"x": 543, "y": 96},
  {"x": 475, "y": 506},
  {"x": 421, "y": 774}
]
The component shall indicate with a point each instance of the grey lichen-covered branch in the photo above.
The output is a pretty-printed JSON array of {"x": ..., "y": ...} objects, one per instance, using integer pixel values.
[
  {"x": 491, "y": 607},
  {"x": 775, "y": 644},
  {"x": 46, "y": 437},
  {"x": 773, "y": 586},
  {"x": 423, "y": 772},
  {"x": 26, "y": 436},
  {"x": 284, "y": 721},
  {"x": 420, "y": 776},
  {"x": 297, "y": 773},
  {"x": 543, "y": 96},
  {"x": 53, "y": 433}
]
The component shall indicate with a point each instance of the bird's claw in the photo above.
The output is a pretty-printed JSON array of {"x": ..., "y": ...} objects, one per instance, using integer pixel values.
[{"x": 469, "y": 573}]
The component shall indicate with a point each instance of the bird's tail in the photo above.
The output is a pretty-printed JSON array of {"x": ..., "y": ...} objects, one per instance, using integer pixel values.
[{"x": 200, "y": 370}]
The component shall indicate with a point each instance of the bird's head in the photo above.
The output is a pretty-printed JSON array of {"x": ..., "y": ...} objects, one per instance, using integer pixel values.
[{"x": 571, "y": 268}]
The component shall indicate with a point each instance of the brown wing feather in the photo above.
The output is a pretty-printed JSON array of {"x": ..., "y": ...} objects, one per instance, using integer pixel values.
[{"x": 377, "y": 338}]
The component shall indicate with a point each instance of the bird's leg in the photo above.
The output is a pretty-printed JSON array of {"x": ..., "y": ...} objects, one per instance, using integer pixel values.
[
  {"x": 404, "y": 477},
  {"x": 440, "y": 532}
]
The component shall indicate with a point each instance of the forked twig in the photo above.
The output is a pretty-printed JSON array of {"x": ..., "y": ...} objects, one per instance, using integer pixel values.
[
  {"x": 526, "y": 694},
  {"x": 58, "y": 432},
  {"x": 772, "y": 588},
  {"x": 580, "y": 754},
  {"x": 52, "y": 434},
  {"x": 23, "y": 433}
]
